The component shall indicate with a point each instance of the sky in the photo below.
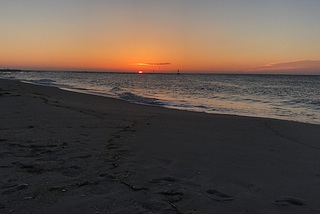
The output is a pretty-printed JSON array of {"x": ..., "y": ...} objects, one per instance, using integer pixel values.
[{"x": 224, "y": 36}]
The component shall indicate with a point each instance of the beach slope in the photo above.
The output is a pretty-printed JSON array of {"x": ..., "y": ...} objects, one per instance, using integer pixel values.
[{"x": 67, "y": 152}]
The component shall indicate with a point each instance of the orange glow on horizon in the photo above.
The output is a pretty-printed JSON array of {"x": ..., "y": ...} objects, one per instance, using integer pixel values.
[
  {"x": 139, "y": 63},
  {"x": 161, "y": 36}
]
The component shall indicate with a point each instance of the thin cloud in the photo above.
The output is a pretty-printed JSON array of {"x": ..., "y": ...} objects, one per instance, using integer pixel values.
[
  {"x": 302, "y": 65},
  {"x": 153, "y": 64}
]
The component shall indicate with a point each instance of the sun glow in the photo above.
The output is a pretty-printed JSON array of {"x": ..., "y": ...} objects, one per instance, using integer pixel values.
[
  {"x": 139, "y": 63},
  {"x": 140, "y": 72}
]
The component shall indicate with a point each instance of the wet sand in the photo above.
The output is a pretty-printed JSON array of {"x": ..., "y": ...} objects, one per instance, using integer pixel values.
[{"x": 66, "y": 152}]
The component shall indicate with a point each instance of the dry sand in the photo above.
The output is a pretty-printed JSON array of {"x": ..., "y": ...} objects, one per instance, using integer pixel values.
[{"x": 66, "y": 152}]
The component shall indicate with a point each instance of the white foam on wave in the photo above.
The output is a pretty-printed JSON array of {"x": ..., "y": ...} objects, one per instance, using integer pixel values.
[{"x": 128, "y": 96}]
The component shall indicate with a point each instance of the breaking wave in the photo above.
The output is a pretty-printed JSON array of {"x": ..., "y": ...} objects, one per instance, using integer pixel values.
[{"x": 128, "y": 96}]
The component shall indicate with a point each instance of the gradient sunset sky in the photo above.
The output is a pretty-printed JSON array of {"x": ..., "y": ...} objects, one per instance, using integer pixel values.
[{"x": 238, "y": 36}]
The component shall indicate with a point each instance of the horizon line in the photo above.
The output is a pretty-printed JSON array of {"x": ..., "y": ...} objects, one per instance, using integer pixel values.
[{"x": 161, "y": 72}]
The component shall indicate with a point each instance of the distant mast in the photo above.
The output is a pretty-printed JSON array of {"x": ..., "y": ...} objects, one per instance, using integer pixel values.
[{"x": 178, "y": 72}]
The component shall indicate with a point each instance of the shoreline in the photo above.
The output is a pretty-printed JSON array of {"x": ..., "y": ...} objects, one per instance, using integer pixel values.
[
  {"x": 106, "y": 95},
  {"x": 69, "y": 152}
]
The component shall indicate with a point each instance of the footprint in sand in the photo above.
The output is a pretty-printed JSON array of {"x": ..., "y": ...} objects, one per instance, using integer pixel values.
[
  {"x": 286, "y": 201},
  {"x": 163, "y": 181},
  {"x": 218, "y": 196}
]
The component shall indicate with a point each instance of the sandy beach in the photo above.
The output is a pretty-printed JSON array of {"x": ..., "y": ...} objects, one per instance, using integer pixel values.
[{"x": 67, "y": 152}]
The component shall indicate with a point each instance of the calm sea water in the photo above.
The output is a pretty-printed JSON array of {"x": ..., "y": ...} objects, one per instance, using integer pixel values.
[{"x": 273, "y": 96}]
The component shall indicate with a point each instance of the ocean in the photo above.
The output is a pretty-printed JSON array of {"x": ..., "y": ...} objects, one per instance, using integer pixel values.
[{"x": 286, "y": 97}]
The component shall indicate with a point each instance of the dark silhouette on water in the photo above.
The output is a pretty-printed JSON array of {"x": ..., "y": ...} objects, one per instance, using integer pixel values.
[{"x": 8, "y": 69}]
